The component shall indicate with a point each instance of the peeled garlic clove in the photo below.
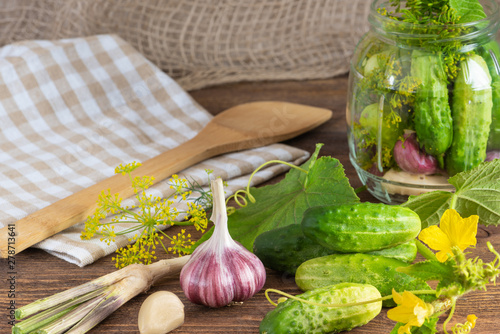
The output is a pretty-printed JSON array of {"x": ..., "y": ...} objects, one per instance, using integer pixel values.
[
  {"x": 161, "y": 313},
  {"x": 411, "y": 159},
  {"x": 221, "y": 270}
]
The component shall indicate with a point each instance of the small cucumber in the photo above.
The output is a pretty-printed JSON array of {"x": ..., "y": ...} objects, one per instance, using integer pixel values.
[
  {"x": 471, "y": 111},
  {"x": 362, "y": 227},
  {"x": 391, "y": 131},
  {"x": 378, "y": 271},
  {"x": 284, "y": 249},
  {"x": 432, "y": 119},
  {"x": 295, "y": 317},
  {"x": 491, "y": 54}
]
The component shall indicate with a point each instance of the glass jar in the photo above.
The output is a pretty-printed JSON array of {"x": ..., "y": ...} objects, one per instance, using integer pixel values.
[{"x": 423, "y": 102}]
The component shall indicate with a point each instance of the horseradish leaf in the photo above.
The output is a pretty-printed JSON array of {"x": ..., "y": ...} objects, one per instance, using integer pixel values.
[{"x": 477, "y": 192}]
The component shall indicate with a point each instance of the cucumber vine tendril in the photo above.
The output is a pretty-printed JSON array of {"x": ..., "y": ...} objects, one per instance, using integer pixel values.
[{"x": 239, "y": 195}]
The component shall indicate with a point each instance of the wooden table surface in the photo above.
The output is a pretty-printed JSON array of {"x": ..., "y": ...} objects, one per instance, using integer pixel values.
[{"x": 39, "y": 274}]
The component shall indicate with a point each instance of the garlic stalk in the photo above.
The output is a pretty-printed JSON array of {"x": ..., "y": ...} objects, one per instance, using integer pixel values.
[
  {"x": 79, "y": 309},
  {"x": 221, "y": 270}
]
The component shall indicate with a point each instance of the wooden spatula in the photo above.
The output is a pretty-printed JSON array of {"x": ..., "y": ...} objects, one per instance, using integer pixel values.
[{"x": 241, "y": 127}]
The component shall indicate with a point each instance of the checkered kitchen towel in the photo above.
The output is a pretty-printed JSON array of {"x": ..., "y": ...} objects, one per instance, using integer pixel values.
[{"x": 72, "y": 110}]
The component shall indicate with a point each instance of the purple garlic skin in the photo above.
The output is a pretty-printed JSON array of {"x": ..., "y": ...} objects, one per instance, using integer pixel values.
[
  {"x": 221, "y": 270},
  {"x": 411, "y": 159},
  {"x": 216, "y": 279},
  {"x": 492, "y": 155}
]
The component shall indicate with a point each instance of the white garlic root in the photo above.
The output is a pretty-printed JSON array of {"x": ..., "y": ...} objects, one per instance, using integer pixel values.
[{"x": 161, "y": 313}]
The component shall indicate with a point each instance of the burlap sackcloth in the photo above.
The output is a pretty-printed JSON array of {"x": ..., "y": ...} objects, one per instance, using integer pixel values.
[
  {"x": 207, "y": 42},
  {"x": 72, "y": 110}
]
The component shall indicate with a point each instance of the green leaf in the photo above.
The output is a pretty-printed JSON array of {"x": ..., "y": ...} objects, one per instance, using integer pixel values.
[
  {"x": 430, "y": 206},
  {"x": 477, "y": 193},
  {"x": 449, "y": 288},
  {"x": 284, "y": 203},
  {"x": 468, "y": 10},
  {"x": 430, "y": 270},
  {"x": 428, "y": 327}
]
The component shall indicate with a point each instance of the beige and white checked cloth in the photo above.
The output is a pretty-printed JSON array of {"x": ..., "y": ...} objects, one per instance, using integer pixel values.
[{"x": 72, "y": 110}]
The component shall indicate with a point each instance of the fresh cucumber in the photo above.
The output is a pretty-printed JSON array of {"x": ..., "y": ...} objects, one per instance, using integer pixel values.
[
  {"x": 376, "y": 270},
  {"x": 432, "y": 114},
  {"x": 362, "y": 227},
  {"x": 491, "y": 54},
  {"x": 296, "y": 317},
  {"x": 471, "y": 111},
  {"x": 390, "y": 131}
]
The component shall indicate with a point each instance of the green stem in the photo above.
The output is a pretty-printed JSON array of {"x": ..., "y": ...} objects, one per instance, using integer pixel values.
[
  {"x": 423, "y": 292},
  {"x": 48, "y": 316},
  {"x": 445, "y": 323},
  {"x": 183, "y": 223},
  {"x": 119, "y": 221},
  {"x": 72, "y": 317},
  {"x": 161, "y": 242},
  {"x": 130, "y": 230},
  {"x": 32, "y": 324},
  {"x": 497, "y": 255},
  {"x": 453, "y": 201},
  {"x": 119, "y": 208},
  {"x": 312, "y": 162},
  {"x": 424, "y": 251}
]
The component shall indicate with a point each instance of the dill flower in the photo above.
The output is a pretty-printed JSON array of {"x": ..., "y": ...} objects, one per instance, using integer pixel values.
[
  {"x": 126, "y": 169},
  {"x": 453, "y": 231},
  {"x": 181, "y": 243},
  {"x": 197, "y": 216},
  {"x": 145, "y": 218}
]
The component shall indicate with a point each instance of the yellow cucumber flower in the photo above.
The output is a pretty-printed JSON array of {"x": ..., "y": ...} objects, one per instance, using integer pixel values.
[
  {"x": 453, "y": 231},
  {"x": 411, "y": 310}
]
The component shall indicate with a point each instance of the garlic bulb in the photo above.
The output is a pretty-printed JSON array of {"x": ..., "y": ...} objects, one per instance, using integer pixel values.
[
  {"x": 221, "y": 270},
  {"x": 412, "y": 159},
  {"x": 492, "y": 155}
]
